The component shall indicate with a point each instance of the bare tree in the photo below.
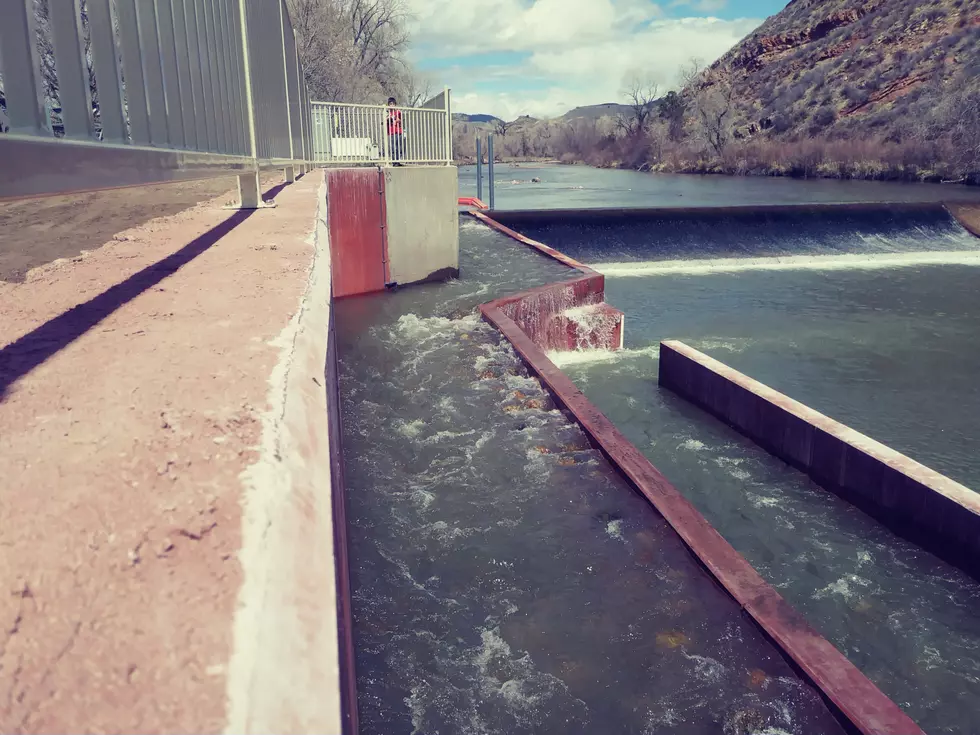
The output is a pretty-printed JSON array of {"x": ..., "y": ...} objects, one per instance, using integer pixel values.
[
  {"x": 642, "y": 95},
  {"x": 415, "y": 89},
  {"x": 351, "y": 49},
  {"x": 501, "y": 128},
  {"x": 711, "y": 100}
]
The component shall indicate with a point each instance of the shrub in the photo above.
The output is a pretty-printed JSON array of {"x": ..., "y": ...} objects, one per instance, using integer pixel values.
[{"x": 824, "y": 116}]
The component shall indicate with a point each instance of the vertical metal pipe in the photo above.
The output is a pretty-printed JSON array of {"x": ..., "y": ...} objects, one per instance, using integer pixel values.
[
  {"x": 108, "y": 80},
  {"x": 146, "y": 17},
  {"x": 479, "y": 168},
  {"x": 171, "y": 78},
  {"x": 73, "y": 86},
  {"x": 283, "y": 18},
  {"x": 188, "y": 96},
  {"x": 21, "y": 68},
  {"x": 237, "y": 81},
  {"x": 247, "y": 69},
  {"x": 224, "y": 73},
  {"x": 214, "y": 69},
  {"x": 490, "y": 168},
  {"x": 199, "y": 42},
  {"x": 129, "y": 36}
]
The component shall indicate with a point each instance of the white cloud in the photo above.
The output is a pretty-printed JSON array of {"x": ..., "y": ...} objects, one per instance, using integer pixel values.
[
  {"x": 579, "y": 51},
  {"x": 702, "y": 6}
]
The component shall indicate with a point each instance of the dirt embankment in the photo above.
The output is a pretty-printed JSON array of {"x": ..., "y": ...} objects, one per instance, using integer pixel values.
[{"x": 37, "y": 231}]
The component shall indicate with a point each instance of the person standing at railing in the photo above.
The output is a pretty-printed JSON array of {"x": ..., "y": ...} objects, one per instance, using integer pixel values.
[{"x": 396, "y": 131}]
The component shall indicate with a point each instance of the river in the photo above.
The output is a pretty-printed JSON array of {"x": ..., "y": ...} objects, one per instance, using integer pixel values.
[
  {"x": 573, "y": 187},
  {"x": 870, "y": 318}
]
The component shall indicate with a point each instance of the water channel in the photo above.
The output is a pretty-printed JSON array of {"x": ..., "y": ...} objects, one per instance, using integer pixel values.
[{"x": 507, "y": 581}]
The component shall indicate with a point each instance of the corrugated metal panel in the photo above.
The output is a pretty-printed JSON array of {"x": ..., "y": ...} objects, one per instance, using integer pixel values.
[{"x": 356, "y": 221}]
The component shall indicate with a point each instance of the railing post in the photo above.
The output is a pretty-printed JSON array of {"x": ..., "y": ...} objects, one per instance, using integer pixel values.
[{"x": 249, "y": 188}]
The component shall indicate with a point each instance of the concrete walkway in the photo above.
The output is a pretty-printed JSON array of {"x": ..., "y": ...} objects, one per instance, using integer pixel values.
[{"x": 134, "y": 392}]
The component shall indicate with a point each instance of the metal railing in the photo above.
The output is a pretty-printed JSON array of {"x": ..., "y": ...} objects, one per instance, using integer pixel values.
[
  {"x": 101, "y": 94},
  {"x": 381, "y": 135}
]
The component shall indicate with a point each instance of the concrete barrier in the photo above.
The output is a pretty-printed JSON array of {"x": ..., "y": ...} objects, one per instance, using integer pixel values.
[
  {"x": 853, "y": 696},
  {"x": 392, "y": 226},
  {"x": 911, "y": 499},
  {"x": 292, "y": 666},
  {"x": 422, "y": 223},
  {"x": 569, "y": 315}
]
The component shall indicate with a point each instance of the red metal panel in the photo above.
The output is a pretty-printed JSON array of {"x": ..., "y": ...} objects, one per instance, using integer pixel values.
[{"x": 356, "y": 221}]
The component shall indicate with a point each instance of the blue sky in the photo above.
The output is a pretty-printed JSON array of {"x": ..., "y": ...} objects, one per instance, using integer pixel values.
[{"x": 544, "y": 57}]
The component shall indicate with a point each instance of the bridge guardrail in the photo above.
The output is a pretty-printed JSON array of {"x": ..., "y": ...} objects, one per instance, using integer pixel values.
[
  {"x": 382, "y": 135},
  {"x": 104, "y": 94}
]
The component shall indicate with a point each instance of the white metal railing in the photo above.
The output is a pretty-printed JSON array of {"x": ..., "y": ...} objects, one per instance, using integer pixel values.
[
  {"x": 100, "y": 94},
  {"x": 345, "y": 134}
]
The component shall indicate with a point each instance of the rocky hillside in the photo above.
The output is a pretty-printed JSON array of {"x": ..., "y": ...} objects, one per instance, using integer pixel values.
[{"x": 888, "y": 69}]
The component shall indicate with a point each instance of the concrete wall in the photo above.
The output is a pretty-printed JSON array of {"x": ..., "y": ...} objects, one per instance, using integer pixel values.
[
  {"x": 422, "y": 223},
  {"x": 569, "y": 315},
  {"x": 913, "y": 500},
  {"x": 292, "y": 670}
]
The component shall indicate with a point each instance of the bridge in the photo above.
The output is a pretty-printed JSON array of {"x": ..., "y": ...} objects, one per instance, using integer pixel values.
[{"x": 305, "y": 461}]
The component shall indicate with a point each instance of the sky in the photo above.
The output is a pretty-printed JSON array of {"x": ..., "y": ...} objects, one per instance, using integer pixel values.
[{"x": 544, "y": 57}]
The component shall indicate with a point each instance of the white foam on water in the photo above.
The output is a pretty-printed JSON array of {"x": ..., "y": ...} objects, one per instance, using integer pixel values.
[
  {"x": 410, "y": 429},
  {"x": 847, "y": 261},
  {"x": 691, "y": 445},
  {"x": 706, "y": 668},
  {"x": 729, "y": 345},
  {"x": 846, "y": 587},
  {"x": 763, "y": 501},
  {"x": 614, "y": 529},
  {"x": 422, "y": 498},
  {"x": 443, "y": 532},
  {"x": 441, "y": 436},
  {"x": 575, "y": 358}
]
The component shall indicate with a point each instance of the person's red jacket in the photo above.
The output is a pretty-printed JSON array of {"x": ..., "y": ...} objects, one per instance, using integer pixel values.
[{"x": 395, "y": 122}]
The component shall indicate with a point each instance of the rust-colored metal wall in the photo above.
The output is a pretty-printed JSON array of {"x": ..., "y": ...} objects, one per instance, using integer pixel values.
[{"x": 355, "y": 200}]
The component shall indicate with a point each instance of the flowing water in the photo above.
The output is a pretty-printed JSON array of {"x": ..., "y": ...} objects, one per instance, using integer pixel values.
[
  {"x": 506, "y": 579},
  {"x": 872, "y": 321},
  {"x": 573, "y": 187}
]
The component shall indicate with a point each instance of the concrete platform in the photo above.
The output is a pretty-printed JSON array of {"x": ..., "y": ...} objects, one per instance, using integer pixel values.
[{"x": 159, "y": 459}]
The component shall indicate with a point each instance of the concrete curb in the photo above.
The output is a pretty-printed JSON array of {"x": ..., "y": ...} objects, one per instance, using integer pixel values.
[
  {"x": 912, "y": 499},
  {"x": 285, "y": 670},
  {"x": 848, "y": 691}
]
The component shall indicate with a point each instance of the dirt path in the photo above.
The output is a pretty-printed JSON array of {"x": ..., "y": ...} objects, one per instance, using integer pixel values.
[{"x": 131, "y": 381}]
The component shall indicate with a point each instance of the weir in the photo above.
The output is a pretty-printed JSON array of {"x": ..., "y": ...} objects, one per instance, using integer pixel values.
[
  {"x": 479, "y": 512},
  {"x": 846, "y": 330}
]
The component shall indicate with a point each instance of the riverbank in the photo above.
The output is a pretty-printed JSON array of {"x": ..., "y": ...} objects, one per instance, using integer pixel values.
[{"x": 860, "y": 160}]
